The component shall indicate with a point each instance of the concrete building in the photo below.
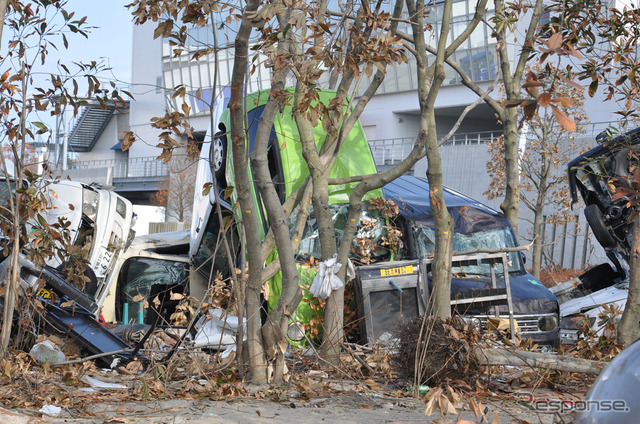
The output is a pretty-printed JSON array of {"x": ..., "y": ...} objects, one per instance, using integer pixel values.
[{"x": 390, "y": 120}]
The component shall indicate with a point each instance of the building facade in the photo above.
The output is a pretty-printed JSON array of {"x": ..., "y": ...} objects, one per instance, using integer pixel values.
[{"x": 390, "y": 121}]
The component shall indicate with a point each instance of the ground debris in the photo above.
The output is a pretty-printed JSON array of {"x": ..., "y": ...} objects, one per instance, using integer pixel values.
[{"x": 431, "y": 350}]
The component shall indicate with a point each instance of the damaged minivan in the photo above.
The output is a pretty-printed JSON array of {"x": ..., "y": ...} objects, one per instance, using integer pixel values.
[{"x": 476, "y": 227}]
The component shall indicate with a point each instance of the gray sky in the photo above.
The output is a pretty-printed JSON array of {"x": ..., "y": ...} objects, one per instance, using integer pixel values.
[{"x": 110, "y": 41}]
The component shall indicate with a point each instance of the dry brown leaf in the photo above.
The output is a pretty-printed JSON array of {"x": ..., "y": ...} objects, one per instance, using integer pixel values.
[
  {"x": 446, "y": 407},
  {"x": 433, "y": 396},
  {"x": 372, "y": 384},
  {"x": 176, "y": 296},
  {"x": 496, "y": 418},
  {"x": 555, "y": 41},
  {"x": 138, "y": 298},
  {"x": 544, "y": 99},
  {"x": 562, "y": 118}
]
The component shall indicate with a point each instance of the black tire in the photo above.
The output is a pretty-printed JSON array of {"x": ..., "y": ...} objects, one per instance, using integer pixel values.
[
  {"x": 598, "y": 226},
  {"x": 218, "y": 156}
]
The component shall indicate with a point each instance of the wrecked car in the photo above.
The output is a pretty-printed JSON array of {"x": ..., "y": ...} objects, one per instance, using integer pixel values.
[
  {"x": 476, "y": 227},
  {"x": 597, "y": 175},
  {"x": 98, "y": 219},
  {"x": 613, "y": 398},
  {"x": 289, "y": 170},
  {"x": 66, "y": 310}
]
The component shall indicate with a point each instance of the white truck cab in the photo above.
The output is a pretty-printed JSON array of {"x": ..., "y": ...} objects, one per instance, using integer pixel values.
[
  {"x": 100, "y": 217},
  {"x": 154, "y": 266}
]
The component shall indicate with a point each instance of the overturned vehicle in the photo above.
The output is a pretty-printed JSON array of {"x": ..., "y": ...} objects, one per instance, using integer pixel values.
[
  {"x": 604, "y": 177},
  {"x": 392, "y": 290},
  {"x": 98, "y": 223}
]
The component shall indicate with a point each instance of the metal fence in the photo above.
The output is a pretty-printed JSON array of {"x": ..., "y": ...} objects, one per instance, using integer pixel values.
[
  {"x": 141, "y": 167},
  {"x": 163, "y": 227},
  {"x": 570, "y": 245},
  {"x": 391, "y": 151}
]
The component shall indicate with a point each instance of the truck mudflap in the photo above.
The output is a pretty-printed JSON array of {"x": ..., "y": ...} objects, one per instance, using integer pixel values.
[{"x": 83, "y": 327}]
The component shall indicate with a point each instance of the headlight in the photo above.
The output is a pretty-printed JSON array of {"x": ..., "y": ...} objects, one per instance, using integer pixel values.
[
  {"x": 295, "y": 332},
  {"x": 575, "y": 322},
  {"x": 90, "y": 201},
  {"x": 548, "y": 323},
  {"x": 474, "y": 321}
]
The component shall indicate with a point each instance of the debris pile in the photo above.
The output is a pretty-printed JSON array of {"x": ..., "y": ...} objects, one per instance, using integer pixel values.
[{"x": 431, "y": 350}]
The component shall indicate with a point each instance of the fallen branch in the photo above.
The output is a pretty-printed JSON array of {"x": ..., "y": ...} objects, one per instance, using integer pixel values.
[
  {"x": 92, "y": 357},
  {"x": 520, "y": 358}
]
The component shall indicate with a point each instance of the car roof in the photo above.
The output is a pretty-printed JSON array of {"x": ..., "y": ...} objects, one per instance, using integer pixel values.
[{"x": 412, "y": 196}]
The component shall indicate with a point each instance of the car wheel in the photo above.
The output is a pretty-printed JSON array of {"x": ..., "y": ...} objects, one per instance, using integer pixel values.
[
  {"x": 598, "y": 226},
  {"x": 219, "y": 155}
]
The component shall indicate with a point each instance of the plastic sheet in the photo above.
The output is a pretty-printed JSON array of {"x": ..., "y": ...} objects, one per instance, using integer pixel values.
[{"x": 326, "y": 280}]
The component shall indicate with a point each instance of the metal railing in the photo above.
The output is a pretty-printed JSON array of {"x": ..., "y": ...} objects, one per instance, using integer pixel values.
[
  {"x": 393, "y": 150},
  {"x": 141, "y": 167}
]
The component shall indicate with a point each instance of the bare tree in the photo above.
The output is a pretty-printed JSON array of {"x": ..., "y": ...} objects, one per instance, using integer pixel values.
[
  {"x": 37, "y": 27},
  {"x": 549, "y": 148},
  {"x": 176, "y": 192}
]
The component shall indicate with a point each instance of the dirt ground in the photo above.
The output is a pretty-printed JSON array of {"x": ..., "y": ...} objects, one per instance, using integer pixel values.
[{"x": 346, "y": 406}]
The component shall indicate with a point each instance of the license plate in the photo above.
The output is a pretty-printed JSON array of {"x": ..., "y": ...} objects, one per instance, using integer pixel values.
[
  {"x": 389, "y": 272},
  {"x": 44, "y": 293},
  {"x": 103, "y": 262}
]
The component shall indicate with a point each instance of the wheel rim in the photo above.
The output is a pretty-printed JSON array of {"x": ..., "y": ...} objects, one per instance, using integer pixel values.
[{"x": 217, "y": 154}]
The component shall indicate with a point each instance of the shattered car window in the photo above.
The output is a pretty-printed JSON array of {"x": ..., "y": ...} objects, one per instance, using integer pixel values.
[
  {"x": 6, "y": 191},
  {"x": 148, "y": 278},
  {"x": 370, "y": 227},
  {"x": 490, "y": 239}
]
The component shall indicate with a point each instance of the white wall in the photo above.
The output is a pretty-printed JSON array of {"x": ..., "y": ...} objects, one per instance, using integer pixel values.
[
  {"x": 145, "y": 215},
  {"x": 149, "y": 97}
]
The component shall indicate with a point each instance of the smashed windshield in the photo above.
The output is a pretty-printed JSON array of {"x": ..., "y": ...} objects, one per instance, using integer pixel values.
[
  {"x": 497, "y": 238},
  {"x": 367, "y": 240}
]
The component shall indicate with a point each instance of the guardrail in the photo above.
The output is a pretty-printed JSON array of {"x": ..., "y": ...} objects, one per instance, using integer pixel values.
[
  {"x": 393, "y": 150},
  {"x": 141, "y": 167}
]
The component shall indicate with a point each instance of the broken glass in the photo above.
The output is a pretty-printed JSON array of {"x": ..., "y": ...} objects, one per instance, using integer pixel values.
[
  {"x": 498, "y": 238},
  {"x": 370, "y": 226}
]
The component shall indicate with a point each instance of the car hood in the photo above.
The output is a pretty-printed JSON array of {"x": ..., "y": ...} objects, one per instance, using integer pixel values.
[
  {"x": 593, "y": 300},
  {"x": 529, "y": 296}
]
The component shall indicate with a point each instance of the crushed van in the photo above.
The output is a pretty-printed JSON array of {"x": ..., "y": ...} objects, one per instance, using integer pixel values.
[{"x": 476, "y": 227}]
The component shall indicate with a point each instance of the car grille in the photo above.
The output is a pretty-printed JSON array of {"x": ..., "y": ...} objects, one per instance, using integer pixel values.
[{"x": 527, "y": 324}]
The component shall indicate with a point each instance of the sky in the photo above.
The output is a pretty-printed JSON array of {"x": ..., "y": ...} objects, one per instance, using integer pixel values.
[{"x": 109, "y": 41}]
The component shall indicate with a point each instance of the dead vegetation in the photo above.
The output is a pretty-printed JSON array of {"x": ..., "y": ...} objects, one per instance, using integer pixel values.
[
  {"x": 432, "y": 350},
  {"x": 458, "y": 385}
]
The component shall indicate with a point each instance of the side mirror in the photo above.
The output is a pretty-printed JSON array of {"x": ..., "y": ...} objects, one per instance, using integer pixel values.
[{"x": 524, "y": 258}]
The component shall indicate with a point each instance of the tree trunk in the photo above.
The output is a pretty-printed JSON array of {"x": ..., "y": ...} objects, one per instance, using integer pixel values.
[
  {"x": 11, "y": 293},
  {"x": 254, "y": 346},
  {"x": 441, "y": 273},
  {"x": 538, "y": 217},
  {"x": 334, "y": 308},
  {"x": 3, "y": 11},
  {"x": 536, "y": 249},
  {"x": 511, "y": 202},
  {"x": 275, "y": 329},
  {"x": 521, "y": 358},
  {"x": 628, "y": 328}
]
